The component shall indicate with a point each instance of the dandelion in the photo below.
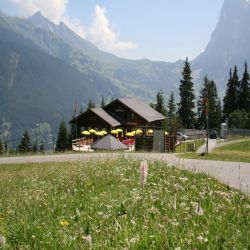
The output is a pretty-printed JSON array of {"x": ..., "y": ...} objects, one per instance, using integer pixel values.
[
  {"x": 2, "y": 241},
  {"x": 144, "y": 173},
  {"x": 64, "y": 223}
]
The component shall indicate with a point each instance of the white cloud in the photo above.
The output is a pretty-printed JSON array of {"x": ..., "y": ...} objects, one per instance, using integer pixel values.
[
  {"x": 102, "y": 35},
  {"x": 55, "y": 10},
  {"x": 100, "y": 32}
]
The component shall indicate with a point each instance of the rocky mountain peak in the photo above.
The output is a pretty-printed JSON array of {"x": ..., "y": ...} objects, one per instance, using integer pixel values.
[
  {"x": 42, "y": 22},
  {"x": 229, "y": 43}
]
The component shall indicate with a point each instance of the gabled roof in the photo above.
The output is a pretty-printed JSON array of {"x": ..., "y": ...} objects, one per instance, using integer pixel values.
[
  {"x": 106, "y": 117},
  {"x": 142, "y": 109},
  {"x": 102, "y": 114},
  {"x": 108, "y": 143}
]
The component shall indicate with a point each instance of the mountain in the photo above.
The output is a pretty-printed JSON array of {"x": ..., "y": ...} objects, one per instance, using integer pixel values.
[
  {"x": 229, "y": 43},
  {"x": 44, "y": 66},
  {"x": 36, "y": 87}
]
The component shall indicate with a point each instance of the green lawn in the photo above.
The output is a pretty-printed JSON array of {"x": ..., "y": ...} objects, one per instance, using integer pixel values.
[
  {"x": 238, "y": 152},
  {"x": 60, "y": 205}
]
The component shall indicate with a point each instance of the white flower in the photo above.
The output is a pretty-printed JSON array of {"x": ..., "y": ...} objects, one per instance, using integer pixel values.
[
  {"x": 88, "y": 238},
  {"x": 198, "y": 209},
  {"x": 174, "y": 204},
  {"x": 2, "y": 241}
]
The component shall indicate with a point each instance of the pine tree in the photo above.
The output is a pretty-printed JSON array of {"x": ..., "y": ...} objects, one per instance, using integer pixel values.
[
  {"x": 24, "y": 146},
  {"x": 171, "y": 113},
  {"x": 171, "y": 106},
  {"x": 1, "y": 147},
  {"x": 231, "y": 99},
  {"x": 208, "y": 103},
  {"x": 187, "y": 97},
  {"x": 160, "y": 103},
  {"x": 244, "y": 95},
  {"x": 72, "y": 133},
  {"x": 91, "y": 104},
  {"x": 102, "y": 102},
  {"x": 62, "y": 139}
]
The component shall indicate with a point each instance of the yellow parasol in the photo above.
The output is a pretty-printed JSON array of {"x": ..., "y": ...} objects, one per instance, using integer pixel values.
[
  {"x": 99, "y": 133},
  {"x": 104, "y": 132},
  {"x": 114, "y": 131},
  {"x": 119, "y": 130},
  {"x": 150, "y": 131},
  {"x": 129, "y": 134},
  {"x": 85, "y": 132},
  {"x": 92, "y": 131},
  {"x": 166, "y": 132},
  {"x": 138, "y": 131}
]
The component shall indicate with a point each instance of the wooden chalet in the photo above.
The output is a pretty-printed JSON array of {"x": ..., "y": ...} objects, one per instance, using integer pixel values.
[{"x": 123, "y": 113}]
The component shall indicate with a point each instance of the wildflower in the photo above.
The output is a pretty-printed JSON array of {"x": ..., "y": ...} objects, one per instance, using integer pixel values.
[
  {"x": 64, "y": 222},
  {"x": 174, "y": 204},
  {"x": 2, "y": 241},
  {"x": 144, "y": 173},
  {"x": 200, "y": 238},
  {"x": 198, "y": 209},
  {"x": 88, "y": 239}
]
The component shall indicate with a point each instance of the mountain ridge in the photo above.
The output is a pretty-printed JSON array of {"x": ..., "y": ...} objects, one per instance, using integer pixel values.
[{"x": 95, "y": 73}]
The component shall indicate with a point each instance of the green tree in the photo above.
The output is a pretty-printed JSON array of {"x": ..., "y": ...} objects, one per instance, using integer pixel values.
[
  {"x": 244, "y": 95},
  {"x": 208, "y": 104},
  {"x": 187, "y": 98},
  {"x": 24, "y": 146},
  {"x": 102, "y": 102},
  {"x": 1, "y": 147},
  {"x": 72, "y": 133},
  {"x": 171, "y": 106},
  {"x": 171, "y": 114},
  {"x": 91, "y": 104},
  {"x": 34, "y": 148},
  {"x": 231, "y": 99},
  {"x": 160, "y": 103},
  {"x": 62, "y": 143},
  {"x": 238, "y": 119}
]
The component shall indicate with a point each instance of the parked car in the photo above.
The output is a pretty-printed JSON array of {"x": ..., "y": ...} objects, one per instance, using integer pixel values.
[
  {"x": 180, "y": 136},
  {"x": 213, "y": 134}
]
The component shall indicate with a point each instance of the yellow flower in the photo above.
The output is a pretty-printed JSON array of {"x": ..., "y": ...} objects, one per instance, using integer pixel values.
[{"x": 64, "y": 223}]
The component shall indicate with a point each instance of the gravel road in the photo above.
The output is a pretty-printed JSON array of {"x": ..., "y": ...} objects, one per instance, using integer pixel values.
[{"x": 234, "y": 174}]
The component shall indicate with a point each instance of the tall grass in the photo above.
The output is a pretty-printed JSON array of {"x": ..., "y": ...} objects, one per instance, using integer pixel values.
[{"x": 99, "y": 205}]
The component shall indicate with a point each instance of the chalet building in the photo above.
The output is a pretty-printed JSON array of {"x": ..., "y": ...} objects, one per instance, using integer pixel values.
[{"x": 123, "y": 113}]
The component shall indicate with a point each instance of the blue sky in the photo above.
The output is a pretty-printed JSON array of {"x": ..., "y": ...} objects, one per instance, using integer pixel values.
[{"x": 165, "y": 30}]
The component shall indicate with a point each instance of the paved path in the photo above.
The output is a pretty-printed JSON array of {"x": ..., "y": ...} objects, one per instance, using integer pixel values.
[
  {"x": 234, "y": 174},
  {"x": 211, "y": 145}
]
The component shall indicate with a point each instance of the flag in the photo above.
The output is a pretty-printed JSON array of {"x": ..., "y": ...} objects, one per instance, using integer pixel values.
[{"x": 75, "y": 108}]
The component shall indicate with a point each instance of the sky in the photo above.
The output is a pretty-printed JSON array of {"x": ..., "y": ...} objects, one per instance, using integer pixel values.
[{"x": 159, "y": 30}]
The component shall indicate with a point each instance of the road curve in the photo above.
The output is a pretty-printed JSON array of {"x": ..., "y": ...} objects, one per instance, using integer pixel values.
[{"x": 234, "y": 174}]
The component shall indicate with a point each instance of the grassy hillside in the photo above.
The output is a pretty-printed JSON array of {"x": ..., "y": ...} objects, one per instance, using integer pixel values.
[
  {"x": 238, "y": 152},
  {"x": 100, "y": 205}
]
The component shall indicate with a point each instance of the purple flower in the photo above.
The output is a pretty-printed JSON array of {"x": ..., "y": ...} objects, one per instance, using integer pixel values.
[{"x": 144, "y": 173}]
